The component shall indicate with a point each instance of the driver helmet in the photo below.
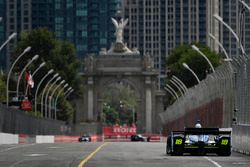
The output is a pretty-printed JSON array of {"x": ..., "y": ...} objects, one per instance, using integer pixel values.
[{"x": 198, "y": 124}]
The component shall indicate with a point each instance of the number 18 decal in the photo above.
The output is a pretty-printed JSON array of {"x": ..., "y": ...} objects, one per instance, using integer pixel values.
[
  {"x": 224, "y": 142},
  {"x": 178, "y": 141}
]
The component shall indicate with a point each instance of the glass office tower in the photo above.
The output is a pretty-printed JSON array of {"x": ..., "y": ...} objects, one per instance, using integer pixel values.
[
  {"x": 158, "y": 26},
  {"x": 85, "y": 23},
  {"x": 2, "y": 34}
]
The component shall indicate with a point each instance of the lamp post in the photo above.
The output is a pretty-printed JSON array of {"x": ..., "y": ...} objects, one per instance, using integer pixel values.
[
  {"x": 58, "y": 97},
  {"x": 177, "y": 86},
  {"x": 53, "y": 92},
  {"x": 176, "y": 79},
  {"x": 19, "y": 78},
  {"x": 8, "y": 78},
  {"x": 244, "y": 4},
  {"x": 204, "y": 56},
  {"x": 217, "y": 17},
  {"x": 9, "y": 38},
  {"x": 170, "y": 92},
  {"x": 40, "y": 66},
  {"x": 38, "y": 86},
  {"x": 68, "y": 93},
  {"x": 47, "y": 95},
  {"x": 187, "y": 67},
  {"x": 221, "y": 46},
  {"x": 44, "y": 89}
]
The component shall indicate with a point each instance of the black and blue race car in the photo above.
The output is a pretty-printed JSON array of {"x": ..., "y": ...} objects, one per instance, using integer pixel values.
[{"x": 199, "y": 141}]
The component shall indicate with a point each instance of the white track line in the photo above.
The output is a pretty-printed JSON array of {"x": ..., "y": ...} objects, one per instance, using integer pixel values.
[
  {"x": 11, "y": 148},
  {"x": 212, "y": 161}
]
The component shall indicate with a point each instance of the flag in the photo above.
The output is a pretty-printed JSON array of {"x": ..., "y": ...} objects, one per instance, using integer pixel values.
[
  {"x": 26, "y": 77},
  {"x": 30, "y": 81}
]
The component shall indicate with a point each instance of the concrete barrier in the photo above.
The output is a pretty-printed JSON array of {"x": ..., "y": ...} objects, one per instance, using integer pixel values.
[
  {"x": 241, "y": 138},
  {"x": 45, "y": 139},
  {"x": 6, "y": 138},
  {"x": 66, "y": 139}
]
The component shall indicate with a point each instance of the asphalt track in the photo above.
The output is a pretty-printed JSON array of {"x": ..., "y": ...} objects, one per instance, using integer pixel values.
[{"x": 112, "y": 154}]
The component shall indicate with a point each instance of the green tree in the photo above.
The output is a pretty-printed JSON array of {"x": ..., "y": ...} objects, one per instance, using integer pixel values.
[
  {"x": 121, "y": 99},
  {"x": 58, "y": 55},
  {"x": 110, "y": 115},
  {"x": 185, "y": 53}
]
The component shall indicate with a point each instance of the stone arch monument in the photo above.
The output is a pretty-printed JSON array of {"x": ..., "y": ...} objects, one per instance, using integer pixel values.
[{"x": 120, "y": 64}]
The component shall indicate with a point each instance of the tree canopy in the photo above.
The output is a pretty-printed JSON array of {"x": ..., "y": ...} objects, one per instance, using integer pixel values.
[
  {"x": 119, "y": 104},
  {"x": 185, "y": 53},
  {"x": 58, "y": 55}
]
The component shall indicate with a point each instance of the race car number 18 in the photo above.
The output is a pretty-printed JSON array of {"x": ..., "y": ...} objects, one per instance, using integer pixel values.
[
  {"x": 224, "y": 142},
  {"x": 178, "y": 141}
]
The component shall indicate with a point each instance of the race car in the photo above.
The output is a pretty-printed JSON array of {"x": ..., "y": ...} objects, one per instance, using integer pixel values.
[
  {"x": 199, "y": 141},
  {"x": 84, "y": 138}
]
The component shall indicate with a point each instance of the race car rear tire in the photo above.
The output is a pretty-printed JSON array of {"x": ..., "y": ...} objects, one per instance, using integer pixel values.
[{"x": 224, "y": 153}]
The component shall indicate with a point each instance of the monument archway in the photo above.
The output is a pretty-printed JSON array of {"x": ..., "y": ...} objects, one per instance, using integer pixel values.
[{"x": 120, "y": 64}]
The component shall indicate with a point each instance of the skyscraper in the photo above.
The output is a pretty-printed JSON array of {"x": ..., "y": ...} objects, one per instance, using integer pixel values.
[
  {"x": 85, "y": 23},
  {"x": 2, "y": 34},
  {"x": 158, "y": 26}
]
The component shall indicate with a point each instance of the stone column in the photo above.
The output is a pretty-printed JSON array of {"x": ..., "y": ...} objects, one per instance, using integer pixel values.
[
  {"x": 90, "y": 98},
  {"x": 148, "y": 105}
]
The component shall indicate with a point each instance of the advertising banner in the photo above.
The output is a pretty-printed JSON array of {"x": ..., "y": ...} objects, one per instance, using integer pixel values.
[{"x": 117, "y": 130}]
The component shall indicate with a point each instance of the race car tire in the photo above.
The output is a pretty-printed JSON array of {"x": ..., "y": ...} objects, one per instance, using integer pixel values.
[{"x": 224, "y": 153}]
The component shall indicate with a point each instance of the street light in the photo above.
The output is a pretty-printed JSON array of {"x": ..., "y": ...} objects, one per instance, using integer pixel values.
[
  {"x": 9, "y": 38},
  {"x": 187, "y": 67},
  {"x": 244, "y": 4},
  {"x": 44, "y": 89},
  {"x": 172, "y": 93},
  {"x": 217, "y": 17},
  {"x": 169, "y": 87},
  {"x": 68, "y": 93},
  {"x": 176, "y": 79},
  {"x": 38, "y": 86},
  {"x": 69, "y": 89},
  {"x": 40, "y": 66},
  {"x": 52, "y": 94},
  {"x": 58, "y": 97},
  {"x": 47, "y": 94},
  {"x": 221, "y": 46},
  {"x": 177, "y": 86},
  {"x": 19, "y": 78},
  {"x": 204, "y": 56},
  {"x": 8, "y": 78}
]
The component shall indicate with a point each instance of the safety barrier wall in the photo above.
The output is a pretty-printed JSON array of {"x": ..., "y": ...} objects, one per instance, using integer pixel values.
[
  {"x": 241, "y": 138},
  {"x": 211, "y": 101},
  {"x": 6, "y": 138},
  {"x": 18, "y": 122},
  {"x": 45, "y": 139}
]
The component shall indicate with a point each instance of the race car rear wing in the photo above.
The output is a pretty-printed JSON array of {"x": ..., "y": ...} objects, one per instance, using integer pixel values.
[{"x": 204, "y": 131}]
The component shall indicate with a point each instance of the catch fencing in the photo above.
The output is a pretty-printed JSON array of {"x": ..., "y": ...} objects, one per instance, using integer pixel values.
[
  {"x": 18, "y": 122},
  {"x": 211, "y": 101},
  {"x": 220, "y": 100}
]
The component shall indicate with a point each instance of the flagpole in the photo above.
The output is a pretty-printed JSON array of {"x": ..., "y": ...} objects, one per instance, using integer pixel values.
[
  {"x": 19, "y": 78},
  {"x": 40, "y": 66}
]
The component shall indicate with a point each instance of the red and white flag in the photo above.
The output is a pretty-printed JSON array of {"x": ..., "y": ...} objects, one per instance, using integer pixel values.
[{"x": 29, "y": 79}]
